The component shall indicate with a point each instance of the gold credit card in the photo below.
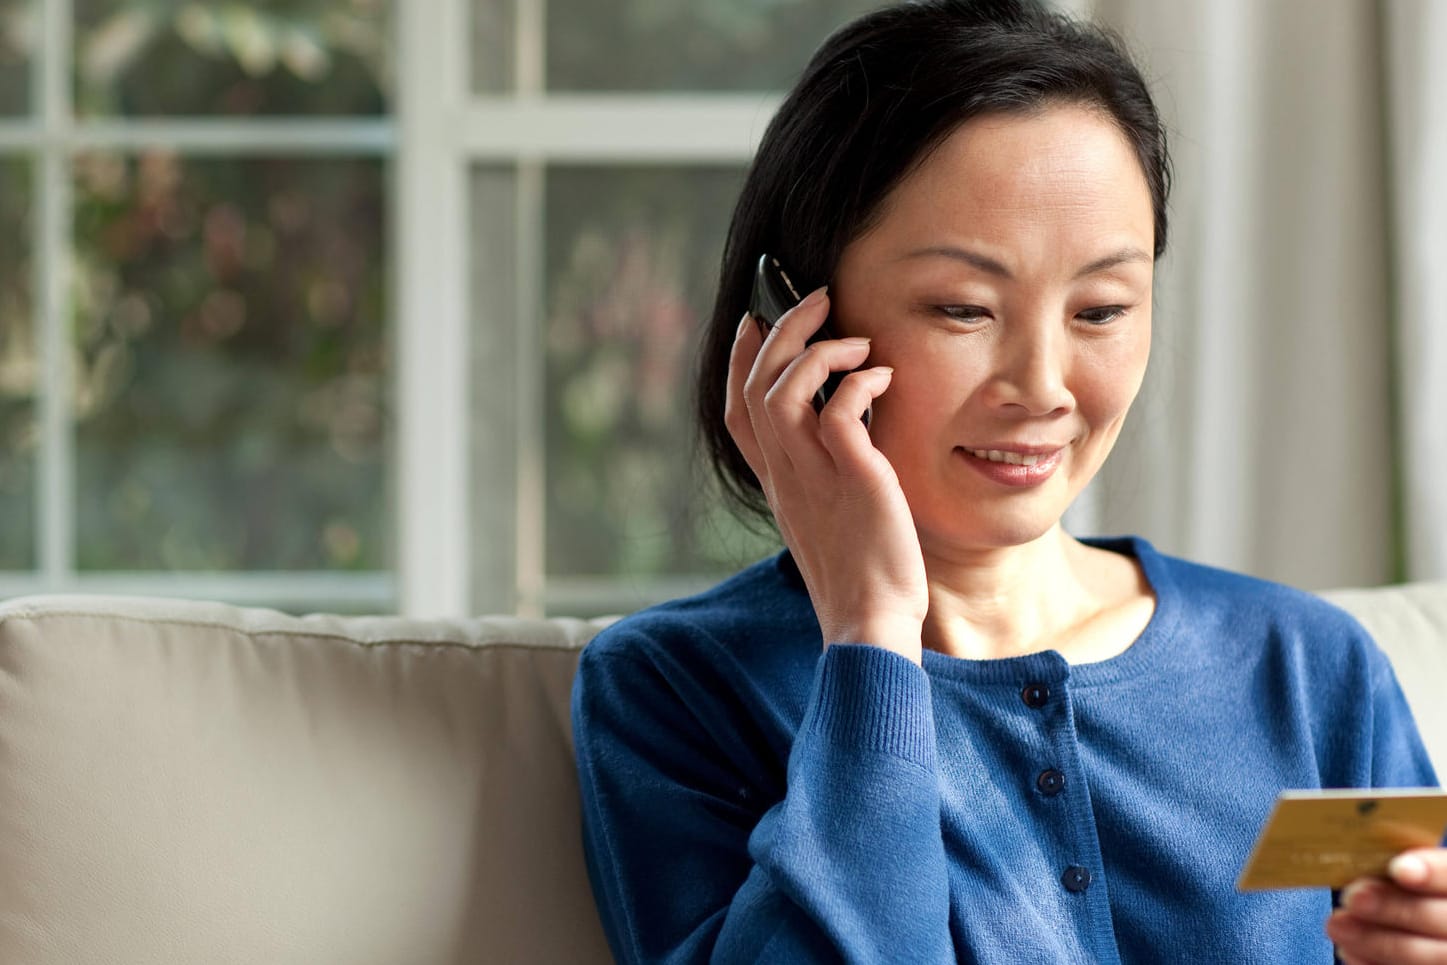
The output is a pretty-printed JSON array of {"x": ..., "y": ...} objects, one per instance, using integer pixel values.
[{"x": 1324, "y": 839}]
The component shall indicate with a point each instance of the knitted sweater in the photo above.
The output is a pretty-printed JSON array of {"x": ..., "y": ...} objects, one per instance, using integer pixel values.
[{"x": 747, "y": 798}]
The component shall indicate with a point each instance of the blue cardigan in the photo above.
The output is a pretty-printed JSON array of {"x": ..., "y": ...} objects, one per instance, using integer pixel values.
[{"x": 747, "y": 799}]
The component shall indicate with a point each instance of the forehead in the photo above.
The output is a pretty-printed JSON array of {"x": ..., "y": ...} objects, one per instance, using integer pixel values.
[{"x": 1061, "y": 167}]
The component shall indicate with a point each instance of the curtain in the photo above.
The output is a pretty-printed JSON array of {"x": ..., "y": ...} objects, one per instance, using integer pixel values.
[
  {"x": 1414, "y": 35},
  {"x": 1293, "y": 424}
]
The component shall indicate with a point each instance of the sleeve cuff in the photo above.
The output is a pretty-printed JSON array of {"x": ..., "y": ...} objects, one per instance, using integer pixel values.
[{"x": 871, "y": 698}]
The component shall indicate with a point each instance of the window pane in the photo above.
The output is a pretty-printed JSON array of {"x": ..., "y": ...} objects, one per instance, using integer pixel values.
[
  {"x": 231, "y": 376},
  {"x": 494, "y": 392},
  {"x": 18, "y": 370},
  {"x": 146, "y": 57},
  {"x": 647, "y": 45},
  {"x": 631, "y": 262},
  {"x": 493, "y": 55},
  {"x": 17, "y": 38}
]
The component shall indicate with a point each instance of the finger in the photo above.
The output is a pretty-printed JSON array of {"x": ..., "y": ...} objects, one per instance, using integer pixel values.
[
  {"x": 789, "y": 403},
  {"x": 782, "y": 344},
  {"x": 804, "y": 319},
  {"x": 1367, "y": 942},
  {"x": 1423, "y": 870},
  {"x": 785, "y": 340},
  {"x": 841, "y": 424},
  {"x": 1380, "y": 902},
  {"x": 745, "y": 349}
]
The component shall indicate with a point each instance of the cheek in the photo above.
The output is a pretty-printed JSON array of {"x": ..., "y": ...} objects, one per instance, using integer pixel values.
[
  {"x": 931, "y": 383},
  {"x": 923, "y": 411},
  {"x": 931, "y": 364},
  {"x": 1106, "y": 388}
]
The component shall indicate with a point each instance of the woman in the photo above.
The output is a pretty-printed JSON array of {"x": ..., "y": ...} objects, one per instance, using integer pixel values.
[{"x": 937, "y": 727}]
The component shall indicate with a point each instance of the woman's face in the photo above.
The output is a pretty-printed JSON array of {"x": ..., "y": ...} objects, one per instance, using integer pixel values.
[{"x": 1008, "y": 282}]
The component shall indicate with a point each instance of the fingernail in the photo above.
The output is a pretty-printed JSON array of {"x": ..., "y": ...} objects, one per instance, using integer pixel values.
[
  {"x": 758, "y": 323},
  {"x": 1359, "y": 896},
  {"x": 815, "y": 296},
  {"x": 886, "y": 369},
  {"x": 1409, "y": 869},
  {"x": 855, "y": 340}
]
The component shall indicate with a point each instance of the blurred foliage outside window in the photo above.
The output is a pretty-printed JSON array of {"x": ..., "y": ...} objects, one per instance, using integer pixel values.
[
  {"x": 232, "y": 362},
  {"x": 17, "y": 38},
  {"x": 676, "y": 45},
  {"x": 231, "y": 406},
  {"x": 18, "y": 373},
  {"x": 632, "y": 260},
  {"x": 229, "y": 58}
]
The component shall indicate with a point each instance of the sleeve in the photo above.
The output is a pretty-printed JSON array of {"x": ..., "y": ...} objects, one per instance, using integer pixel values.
[{"x": 849, "y": 865}]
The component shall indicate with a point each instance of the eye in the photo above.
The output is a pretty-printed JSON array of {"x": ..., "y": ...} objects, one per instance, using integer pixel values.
[
  {"x": 1102, "y": 315},
  {"x": 964, "y": 313}
]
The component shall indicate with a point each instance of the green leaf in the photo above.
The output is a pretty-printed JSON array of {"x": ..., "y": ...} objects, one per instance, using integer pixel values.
[
  {"x": 113, "y": 45},
  {"x": 250, "y": 38},
  {"x": 200, "y": 28}
]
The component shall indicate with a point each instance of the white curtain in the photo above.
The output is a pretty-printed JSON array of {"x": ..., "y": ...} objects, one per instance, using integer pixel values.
[{"x": 1294, "y": 422}]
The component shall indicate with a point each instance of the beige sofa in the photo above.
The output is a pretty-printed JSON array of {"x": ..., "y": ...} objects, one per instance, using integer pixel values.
[{"x": 194, "y": 783}]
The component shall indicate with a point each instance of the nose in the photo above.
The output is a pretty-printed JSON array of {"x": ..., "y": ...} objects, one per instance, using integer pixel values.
[{"x": 1031, "y": 374}]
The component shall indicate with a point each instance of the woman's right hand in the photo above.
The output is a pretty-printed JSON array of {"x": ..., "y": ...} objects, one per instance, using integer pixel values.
[{"x": 835, "y": 497}]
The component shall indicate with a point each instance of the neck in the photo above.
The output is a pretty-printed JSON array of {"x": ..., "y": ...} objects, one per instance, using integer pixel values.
[{"x": 1009, "y": 601}]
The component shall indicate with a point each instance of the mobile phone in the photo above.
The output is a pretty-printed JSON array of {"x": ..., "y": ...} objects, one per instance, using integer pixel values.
[{"x": 774, "y": 294}]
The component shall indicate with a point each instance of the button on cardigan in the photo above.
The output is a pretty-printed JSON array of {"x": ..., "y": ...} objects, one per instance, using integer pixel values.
[{"x": 747, "y": 798}]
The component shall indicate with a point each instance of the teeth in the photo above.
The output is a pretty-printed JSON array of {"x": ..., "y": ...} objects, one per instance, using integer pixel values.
[{"x": 995, "y": 455}]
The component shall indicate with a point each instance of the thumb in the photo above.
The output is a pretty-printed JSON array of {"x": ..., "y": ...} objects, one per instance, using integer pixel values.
[{"x": 1421, "y": 869}]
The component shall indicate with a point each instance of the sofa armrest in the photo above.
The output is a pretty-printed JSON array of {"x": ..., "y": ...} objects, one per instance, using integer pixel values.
[{"x": 1409, "y": 622}]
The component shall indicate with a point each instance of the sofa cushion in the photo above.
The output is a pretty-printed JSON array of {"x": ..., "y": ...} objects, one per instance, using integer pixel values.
[{"x": 186, "y": 782}]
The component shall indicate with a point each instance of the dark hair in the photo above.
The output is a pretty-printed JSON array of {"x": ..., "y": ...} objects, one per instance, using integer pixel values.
[{"x": 878, "y": 96}]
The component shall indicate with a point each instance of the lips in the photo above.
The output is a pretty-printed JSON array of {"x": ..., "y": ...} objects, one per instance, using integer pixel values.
[{"x": 1015, "y": 466}]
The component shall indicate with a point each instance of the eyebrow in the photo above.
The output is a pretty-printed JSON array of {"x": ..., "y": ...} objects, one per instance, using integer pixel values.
[{"x": 991, "y": 266}]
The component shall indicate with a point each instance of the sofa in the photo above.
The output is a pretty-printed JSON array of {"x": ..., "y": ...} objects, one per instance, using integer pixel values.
[{"x": 189, "y": 782}]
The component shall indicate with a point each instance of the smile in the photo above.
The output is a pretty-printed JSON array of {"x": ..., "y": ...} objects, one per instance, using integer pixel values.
[
  {"x": 1013, "y": 458},
  {"x": 1017, "y": 470}
]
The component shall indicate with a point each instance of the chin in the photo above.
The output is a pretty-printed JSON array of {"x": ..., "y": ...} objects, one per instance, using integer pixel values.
[{"x": 1000, "y": 531}]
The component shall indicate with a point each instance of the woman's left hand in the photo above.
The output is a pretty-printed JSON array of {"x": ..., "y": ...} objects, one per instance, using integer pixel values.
[{"x": 1398, "y": 920}]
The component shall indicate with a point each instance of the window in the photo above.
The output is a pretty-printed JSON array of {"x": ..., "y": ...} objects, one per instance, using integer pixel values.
[
  {"x": 194, "y": 311},
  {"x": 354, "y": 305}
]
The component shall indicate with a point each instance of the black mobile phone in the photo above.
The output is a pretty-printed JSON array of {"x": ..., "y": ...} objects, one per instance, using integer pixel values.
[{"x": 774, "y": 294}]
